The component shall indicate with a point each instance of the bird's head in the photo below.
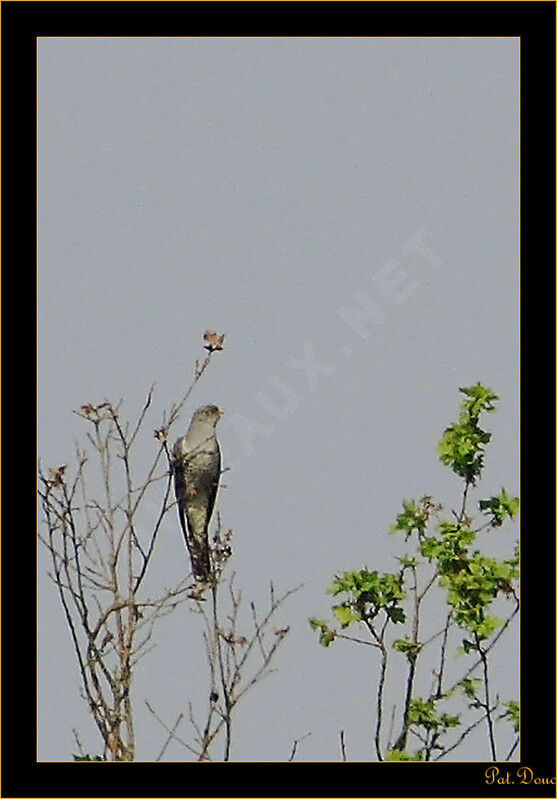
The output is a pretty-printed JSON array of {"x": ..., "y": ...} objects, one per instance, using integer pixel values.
[{"x": 208, "y": 413}]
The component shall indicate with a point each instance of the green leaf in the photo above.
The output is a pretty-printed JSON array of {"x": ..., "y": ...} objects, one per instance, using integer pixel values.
[
  {"x": 500, "y": 507},
  {"x": 462, "y": 444},
  {"x": 408, "y": 648},
  {"x": 423, "y": 714},
  {"x": 487, "y": 627},
  {"x": 430, "y": 547},
  {"x": 369, "y": 592},
  {"x": 481, "y": 398},
  {"x": 346, "y": 614},
  {"x": 470, "y": 685},
  {"x": 326, "y": 634},
  {"x": 407, "y": 562},
  {"x": 513, "y": 714},
  {"x": 394, "y": 755},
  {"x": 88, "y": 758},
  {"x": 396, "y": 615},
  {"x": 447, "y": 721},
  {"x": 415, "y": 516}
]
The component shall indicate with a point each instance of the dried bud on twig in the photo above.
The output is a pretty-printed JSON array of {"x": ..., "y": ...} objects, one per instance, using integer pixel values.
[
  {"x": 92, "y": 411},
  {"x": 57, "y": 475},
  {"x": 161, "y": 434},
  {"x": 215, "y": 341},
  {"x": 221, "y": 549}
]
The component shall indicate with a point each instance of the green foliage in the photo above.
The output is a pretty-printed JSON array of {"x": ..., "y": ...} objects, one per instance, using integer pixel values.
[
  {"x": 414, "y": 517},
  {"x": 423, "y": 714},
  {"x": 470, "y": 686},
  {"x": 473, "y": 587},
  {"x": 408, "y": 648},
  {"x": 346, "y": 614},
  {"x": 326, "y": 634},
  {"x": 462, "y": 444},
  {"x": 88, "y": 758},
  {"x": 407, "y": 562},
  {"x": 513, "y": 714},
  {"x": 399, "y": 754},
  {"x": 501, "y": 507},
  {"x": 481, "y": 399},
  {"x": 450, "y": 550},
  {"x": 472, "y": 581},
  {"x": 368, "y": 594}
]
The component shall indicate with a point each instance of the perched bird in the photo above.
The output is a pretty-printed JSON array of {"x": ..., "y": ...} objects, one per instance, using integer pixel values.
[{"x": 197, "y": 468}]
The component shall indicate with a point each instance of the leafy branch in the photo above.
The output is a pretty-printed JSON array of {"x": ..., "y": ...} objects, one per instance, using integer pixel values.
[{"x": 444, "y": 564}]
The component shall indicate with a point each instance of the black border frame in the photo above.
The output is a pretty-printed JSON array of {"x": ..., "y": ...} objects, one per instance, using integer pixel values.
[{"x": 534, "y": 23}]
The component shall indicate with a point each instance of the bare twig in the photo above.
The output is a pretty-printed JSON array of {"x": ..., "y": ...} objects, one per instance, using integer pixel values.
[
  {"x": 170, "y": 736},
  {"x": 295, "y": 746},
  {"x": 342, "y": 746},
  {"x": 232, "y": 661},
  {"x": 487, "y": 649},
  {"x": 460, "y": 738},
  {"x": 100, "y": 556},
  {"x": 513, "y": 747},
  {"x": 439, "y": 676},
  {"x": 379, "y": 639},
  {"x": 78, "y": 742},
  {"x": 401, "y": 740},
  {"x": 491, "y": 734},
  {"x": 171, "y": 730}
]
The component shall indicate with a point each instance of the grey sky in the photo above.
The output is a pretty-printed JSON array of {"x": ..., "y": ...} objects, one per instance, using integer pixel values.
[{"x": 259, "y": 187}]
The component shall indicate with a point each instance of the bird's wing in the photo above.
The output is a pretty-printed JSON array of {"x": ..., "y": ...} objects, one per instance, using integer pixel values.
[
  {"x": 197, "y": 466},
  {"x": 180, "y": 491},
  {"x": 196, "y": 486},
  {"x": 214, "y": 485}
]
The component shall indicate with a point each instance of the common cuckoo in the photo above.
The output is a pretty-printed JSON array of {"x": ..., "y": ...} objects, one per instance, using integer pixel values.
[{"x": 196, "y": 469}]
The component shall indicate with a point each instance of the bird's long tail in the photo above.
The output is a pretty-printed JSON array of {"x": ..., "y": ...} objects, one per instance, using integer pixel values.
[{"x": 198, "y": 549}]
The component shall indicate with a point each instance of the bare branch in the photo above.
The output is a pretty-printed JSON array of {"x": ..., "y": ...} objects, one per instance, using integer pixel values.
[
  {"x": 93, "y": 546},
  {"x": 460, "y": 738},
  {"x": 171, "y": 731},
  {"x": 295, "y": 745},
  {"x": 513, "y": 747},
  {"x": 342, "y": 746}
]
